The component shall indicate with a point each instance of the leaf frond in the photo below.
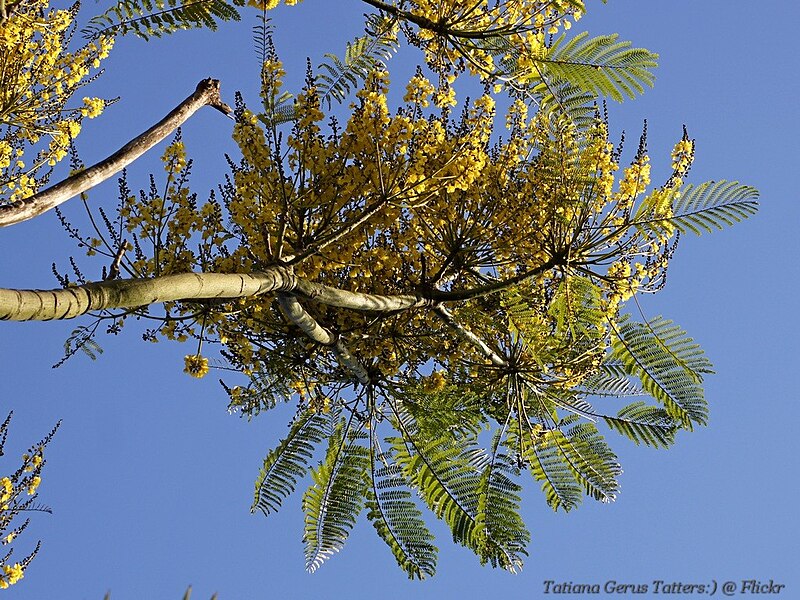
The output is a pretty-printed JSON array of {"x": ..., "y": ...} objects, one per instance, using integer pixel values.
[
  {"x": 335, "y": 498},
  {"x": 288, "y": 462},
  {"x": 157, "y": 18},
  {"x": 397, "y": 519},
  {"x": 669, "y": 364}
]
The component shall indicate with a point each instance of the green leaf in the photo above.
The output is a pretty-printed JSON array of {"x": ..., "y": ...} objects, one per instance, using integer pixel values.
[
  {"x": 444, "y": 478},
  {"x": 337, "y": 77},
  {"x": 332, "y": 503},
  {"x": 453, "y": 410},
  {"x": 397, "y": 519},
  {"x": 713, "y": 205},
  {"x": 501, "y": 535},
  {"x": 601, "y": 65},
  {"x": 669, "y": 364},
  {"x": 590, "y": 459},
  {"x": 146, "y": 19},
  {"x": 610, "y": 380},
  {"x": 288, "y": 462},
  {"x": 546, "y": 463},
  {"x": 645, "y": 424}
]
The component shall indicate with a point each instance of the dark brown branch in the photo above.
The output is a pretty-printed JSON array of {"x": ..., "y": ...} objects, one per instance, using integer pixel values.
[
  {"x": 442, "y": 28},
  {"x": 206, "y": 94}
]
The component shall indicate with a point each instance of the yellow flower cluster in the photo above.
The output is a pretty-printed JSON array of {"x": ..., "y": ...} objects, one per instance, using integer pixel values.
[
  {"x": 11, "y": 574},
  {"x": 682, "y": 155},
  {"x": 435, "y": 382},
  {"x": 38, "y": 77},
  {"x": 25, "y": 480},
  {"x": 195, "y": 365},
  {"x": 7, "y": 492},
  {"x": 270, "y": 4},
  {"x": 445, "y": 28},
  {"x": 93, "y": 107},
  {"x": 635, "y": 181}
]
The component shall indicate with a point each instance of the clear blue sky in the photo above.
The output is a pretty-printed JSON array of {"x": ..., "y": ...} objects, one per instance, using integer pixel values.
[{"x": 151, "y": 480}]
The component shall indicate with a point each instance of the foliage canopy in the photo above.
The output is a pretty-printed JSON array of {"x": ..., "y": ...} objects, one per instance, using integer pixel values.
[{"x": 448, "y": 306}]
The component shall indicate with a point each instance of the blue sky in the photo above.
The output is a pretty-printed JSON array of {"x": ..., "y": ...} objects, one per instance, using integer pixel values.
[{"x": 151, "y": 480}]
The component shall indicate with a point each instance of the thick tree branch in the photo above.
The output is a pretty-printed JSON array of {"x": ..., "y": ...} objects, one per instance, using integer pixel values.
[
  {"x": 325, "y": 294},
  {"x": 45, "y": 305},
  {"x": 294, "y": 311},
  {"x": 206, "y": 94}
]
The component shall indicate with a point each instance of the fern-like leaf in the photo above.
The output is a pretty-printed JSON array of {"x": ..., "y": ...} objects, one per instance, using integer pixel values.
[
  {"x": 446, "y": 482},
  {"x": 601, "y": 65},
  {"x": 571, "y": 73},
  {"x": 338, "y": 77},
  {"x": 669, "y": 364},
  {"x": 288, "y": 462},
  {"x": 156, "y": 18},
  {"x": 501, "y": 535},
  {"x": 546, "y": 463},
  {"x": 645, "y": 424},
  {"x": 610, "y": 380},
  {"x": 398, "y": 520},
  {"x": 589, "y": 458},
  {"x": 453, "y": 410},
  {"x": 448, "y": 472},
  {"x": 706, "y": 207},
  {"x": 334, "y": 500}
]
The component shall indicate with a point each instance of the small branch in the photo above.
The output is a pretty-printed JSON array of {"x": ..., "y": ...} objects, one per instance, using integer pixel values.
[
  {"x": 351, "y": 362},
  {"x": 490, "y": 288},
  {"x": 294, "y": 311},
  {"x": 442, "y": 28},
  {"x": 114, "y": 270},
  {"x": 206, "y": 94},
  {"x": 469, "y": 337}
]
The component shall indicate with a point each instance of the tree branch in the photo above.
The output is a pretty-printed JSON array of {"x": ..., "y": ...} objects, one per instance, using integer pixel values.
[
  {"x": 441, "y": 27},
  {"x": 294, "y": 311},
  {"x": 469, "y": 337},
  {"x": 298, "y": 315},
  {"x": 206, "y": 94},
  {"x": 45, "y": 305},
  {"x": 325, "y": 294}
]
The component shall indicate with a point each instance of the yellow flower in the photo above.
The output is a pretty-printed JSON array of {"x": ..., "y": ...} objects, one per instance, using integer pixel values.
[
  {"x": 196, "y": 365},
  {"x": 436, "y": 382},
  {"x": 8, "y": 489},
  {"x": 33, "y": 485},
  {"x": 13, "y": 574},
  {"x": 92, "y": 107}
]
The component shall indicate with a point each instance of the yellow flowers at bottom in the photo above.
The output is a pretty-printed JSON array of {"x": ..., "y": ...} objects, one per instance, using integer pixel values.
[
  {"x": 8, "y": 489},
  {"x": 195, "y": 365},
  {"x": 11, "y": 574}
]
